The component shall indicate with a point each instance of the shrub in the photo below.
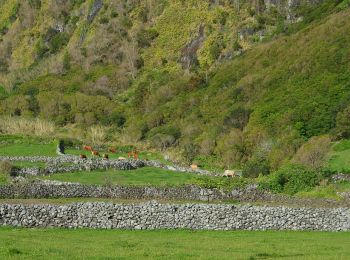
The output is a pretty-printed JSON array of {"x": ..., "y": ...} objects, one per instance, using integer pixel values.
[
  {"x": 255, "y": 166},
  {"x": 343, "y": 125},
  {"x": 313, "y": 153},
  {"x": 97, "y": 134},
  {"x": 58, "y": 41},
  {"x": 222, "y": 183},
  {"x": 162, "y": 141},
  {"x": 6, "y": 169},
  {"x": 291, "y": 179}
]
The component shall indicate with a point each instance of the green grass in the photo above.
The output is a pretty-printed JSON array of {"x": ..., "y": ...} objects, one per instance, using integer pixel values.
[
  {"x": 326, "y": 192},
  {"x": 340, "y": 157},
  {"x": 24, "y": 164},
  {"x": 138, "y": 177},
  {"x": 166, "y": 244},
  {"x": 23, "y": 149},
  {"x": 3, "y": 179}
]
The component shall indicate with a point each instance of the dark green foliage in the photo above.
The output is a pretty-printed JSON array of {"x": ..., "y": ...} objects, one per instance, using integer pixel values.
[
  {"x": 35, "y": 3},
  {"x": 226, "y": 184},
  {"x": 3, "y": 93},
  {"x": 145, "y": 37},
  {"x": 58, "y": 41},
  {"x": 126, "y": 22},
  {"x": 66, "y": 61},
  {"x": 291, "y": 179},
  {"x": 116, "y": 118},
  {"x": 77, "y": 2},
  {"x": 104, "y": 20},
  {"x": 343, "y": 123},
  {"x": 257, "y": 165}
]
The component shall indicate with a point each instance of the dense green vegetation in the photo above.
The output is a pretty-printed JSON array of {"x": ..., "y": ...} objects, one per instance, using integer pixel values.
[
  {"x": 224, "y": 84},
  {"x": 60, "y": 244},
  {"x": 340, "y": 157},
  {"x": 293, "y": 179}
]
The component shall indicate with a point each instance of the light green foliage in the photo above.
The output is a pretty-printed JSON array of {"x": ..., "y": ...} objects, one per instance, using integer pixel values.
[
  {"x": 340, "y": 157},
  {"x": 170, "y": 244},
  {"x": 26, "y": 146},
  {"x": 330, "y": 191},
  {"x": 8, "y": 11},
  {"x": 291, "y": 179},
  {"x": 279, "y": 82}
]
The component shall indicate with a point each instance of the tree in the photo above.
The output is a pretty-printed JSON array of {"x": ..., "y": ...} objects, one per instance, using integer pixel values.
[
  {"x": 313, "y": 153},
  {"x": 343, "y": 123}
]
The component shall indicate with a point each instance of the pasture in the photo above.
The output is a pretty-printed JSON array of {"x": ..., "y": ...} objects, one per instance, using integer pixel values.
[
  {"x": 339, "y": 157},
  {"x": 146, "y": 176},
  {"x": 170, "y": 244},
  {"x": 138, "y": 177}
]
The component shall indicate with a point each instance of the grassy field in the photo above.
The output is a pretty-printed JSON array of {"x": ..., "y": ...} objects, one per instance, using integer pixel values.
[
  {"x": 166, "y": 244},
  {"x": 328, "y": 191},
  {"x": 139, "y": 177},
  {"x": 340, "y": 156},
  {"x": 23, "y": 149}
]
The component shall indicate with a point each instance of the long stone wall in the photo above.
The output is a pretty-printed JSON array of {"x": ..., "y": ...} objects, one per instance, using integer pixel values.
[
  {"x": 49, "y": 189},
  {"x": 174, "y": 216},
  {"x": 59, "y": 164}
]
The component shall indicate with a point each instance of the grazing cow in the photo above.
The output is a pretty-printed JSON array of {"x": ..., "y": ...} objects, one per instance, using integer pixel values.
[
  {"x": 95, "y": 153},
  {"x": 82, "y": 156},
  {"x": 136, "y": 155},
  {"x": 112, "y": 150},
  {"x": 105, "y": 156},
  {"x": 194, "y": 167},
  {"x": 232, "y": 173},
  {"x": 87, "y": 148},
  {"x": 133, "y": 154}
]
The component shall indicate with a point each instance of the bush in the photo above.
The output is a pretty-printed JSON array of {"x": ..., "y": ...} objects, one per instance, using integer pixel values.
[
  {"x": 222, "y": 183},
  {"x": 6, "y": 170},
  {"x": 291, "y": 179},
  {"x": 313, "y": 153},
  {"x": 255, "y": 166}
]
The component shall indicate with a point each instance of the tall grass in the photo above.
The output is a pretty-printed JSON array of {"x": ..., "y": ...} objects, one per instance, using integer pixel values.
[
  {"x": 97, "y": 134},
  {"x": 26, "y": 126}
]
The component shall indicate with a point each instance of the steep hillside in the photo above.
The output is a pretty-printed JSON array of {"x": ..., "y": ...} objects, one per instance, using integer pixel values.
[{"x": 232, "y": 82}]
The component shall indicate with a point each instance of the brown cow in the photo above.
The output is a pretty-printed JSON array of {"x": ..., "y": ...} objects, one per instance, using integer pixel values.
[
  {"x": 105, "y": 156},
  {"x": 133, "y": 154},
  {"x": 82, "y": 156},
  {"x": 87, "y": 148},
  {"x": 95, "y": 153},
  {"x": 112, "y": 150}
]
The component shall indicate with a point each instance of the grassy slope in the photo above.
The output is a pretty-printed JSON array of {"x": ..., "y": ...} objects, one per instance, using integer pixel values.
[
  {"x": 277, "y": 81},
  {"x": 340, "y": 157},
  {"x": 138, "y": 177},
  {"x": 28, "y": 149},
  {"x": 294, "y": 86},
  {"x": 77, "y": 244}
]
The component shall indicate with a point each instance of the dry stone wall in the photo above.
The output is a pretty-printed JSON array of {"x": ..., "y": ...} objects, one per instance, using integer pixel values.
[
  {"x": 174, "y": 216},
  {"x": 59, "y": 164},
  {"x": 49, "y": 189}
]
